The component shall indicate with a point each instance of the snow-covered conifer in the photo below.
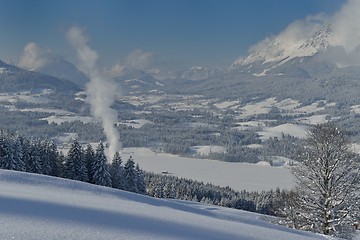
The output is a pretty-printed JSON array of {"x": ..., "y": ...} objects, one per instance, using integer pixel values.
[
  {"x": 101, "y": 175},
  {"x": 117, "y": 172},
  {"x": 55, "y": 162},
  {"x": 7, "y": 160},
  {"x": 89, "y": 160},
  {"x": 18, "y": 154},
  {"x": 35, "y": 164},
  {"x": 45, "y": 157},
  {"x": 140, "y": 182},
  {"x": 130, "y": 175},
  {"x": 75, "y": 167}
]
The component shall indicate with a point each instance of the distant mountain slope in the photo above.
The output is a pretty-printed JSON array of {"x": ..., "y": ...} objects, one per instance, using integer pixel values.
[
  {"x": 14, "y": 79},
  {"x": 41, "y": 207},
  {"x": 63, "y": 69},
  {"x": 132, "y": 80}
]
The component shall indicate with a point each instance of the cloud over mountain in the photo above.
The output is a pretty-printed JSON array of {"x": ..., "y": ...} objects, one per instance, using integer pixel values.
[
  {"x": 34, "y": 57},
  {"x": 337, "y": 36},
  {"x": 138, "y": 59}
]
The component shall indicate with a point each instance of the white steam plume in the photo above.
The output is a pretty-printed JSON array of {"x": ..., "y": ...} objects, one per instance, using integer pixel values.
[{"x": 101, "y": 90}]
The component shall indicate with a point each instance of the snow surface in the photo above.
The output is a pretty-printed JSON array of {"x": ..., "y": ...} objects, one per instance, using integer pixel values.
[
  {"x": 313, "y": 120},
  {"x": 239, "y": 176},
  {"x": 288, "y": 104},
  {"x": 250, "y": 124},
  {"x": 206, "y": 150},
  {"x": 135, "y": 123},
  {"x": 14, "y": 98},
  {"x": 355, "y": 109},
  {"x": 61, "y": 119},
  {"x": 295, "y": 130},
  {"x": 262, "y": 107},
  {"x": 2, "y": 70},
  {"x": 226, "y": 104},
  {"x": 46, "y": 110},
  {"x": 36, "y": 207},
  {"x": 262, "y": 74}
]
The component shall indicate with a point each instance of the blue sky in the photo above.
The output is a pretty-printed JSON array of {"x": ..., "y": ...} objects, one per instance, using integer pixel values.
[{"x": 201, "y": 32}]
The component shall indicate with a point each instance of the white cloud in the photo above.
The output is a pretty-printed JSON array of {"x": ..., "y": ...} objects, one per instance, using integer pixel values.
[
  {"x": 116, "y": 70},
  {"x": 287, "y": 44},
  {"x": 138, "y": 59},
  {"x": 295, "y": 33},
  {"x": 346, "y": 26},
  {"x": 34, "y": 57},
  {"x": 342, "y": 40}
]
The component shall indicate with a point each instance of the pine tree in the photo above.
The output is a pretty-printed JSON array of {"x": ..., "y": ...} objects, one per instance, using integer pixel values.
[
  {"x": 62, "y": 161},
  {"x": 35, "y": 164},
  {"x": 117, "y": 172},
  {"x": 130, "y": 175},
  {"x": 45, "y": 157},
  {"x": 26, "y": 151},
  {"x": 328, "y": 180},
  {"x": 19, "y": 154},
  {"x": 11, "y": 152},
  {"x": 75, "y": 167},
  {"x": 55, "y": 161},
  {"x": 7, "y": 160},
  {"x": 140, "y": 182},
  {"x": 89, "y": 160},
  {"x": 101, "y": 175}
]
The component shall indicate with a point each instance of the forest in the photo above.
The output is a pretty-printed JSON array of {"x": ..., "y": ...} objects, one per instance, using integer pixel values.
[{"x": 92, "y": 166}]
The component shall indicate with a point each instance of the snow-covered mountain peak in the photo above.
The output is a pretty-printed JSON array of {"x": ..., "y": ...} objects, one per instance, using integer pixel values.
[
  {"x": 320, "y": 41},
  {"x": 284, "y": 47}
]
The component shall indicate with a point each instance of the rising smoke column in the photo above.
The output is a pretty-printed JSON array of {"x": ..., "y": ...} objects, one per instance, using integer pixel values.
[{"x": 101, "y": 90}]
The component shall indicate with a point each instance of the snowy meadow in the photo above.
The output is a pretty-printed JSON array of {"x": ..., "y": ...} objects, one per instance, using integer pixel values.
[{"x": 42, "y": 207}]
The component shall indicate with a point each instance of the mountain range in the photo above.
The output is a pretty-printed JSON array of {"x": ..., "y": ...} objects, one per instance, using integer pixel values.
[{"x": 308, "y": 68}]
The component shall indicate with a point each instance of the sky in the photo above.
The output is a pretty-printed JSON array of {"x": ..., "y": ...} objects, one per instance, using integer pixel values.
[{"x": 177, "y": 32}]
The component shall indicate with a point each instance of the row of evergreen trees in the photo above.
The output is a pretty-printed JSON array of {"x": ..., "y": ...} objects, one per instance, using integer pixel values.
[
  {"x": 87, "y": 165},
  {"x": 265, "y": 202}
]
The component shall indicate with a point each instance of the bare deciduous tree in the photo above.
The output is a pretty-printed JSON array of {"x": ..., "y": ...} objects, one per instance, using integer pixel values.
[{"x": 327, "y": 182}]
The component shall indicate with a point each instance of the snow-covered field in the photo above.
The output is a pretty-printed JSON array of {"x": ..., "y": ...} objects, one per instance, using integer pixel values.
[
  {"x": 257, "y": 108},
  {"x": 227, "y": 104},
  {"x": 295, "y": 130},
  {"x": 313, "y": 120},
  {"x": 61, "y": 119},
  {"x": 135, "y": 123},
  {"x": 36, "y": 207},
  {"x": 239, "y": 176},
  {"x": 207, "y": 150}
]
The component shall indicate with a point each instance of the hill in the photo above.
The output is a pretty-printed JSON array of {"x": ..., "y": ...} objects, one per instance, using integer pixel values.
[
  {"x": 41, "y": 207},
  {"x": 14, "y": 79}
]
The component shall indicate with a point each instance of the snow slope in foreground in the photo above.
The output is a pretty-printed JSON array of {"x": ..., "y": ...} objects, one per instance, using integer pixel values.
[{"x": 41, "y": 207}]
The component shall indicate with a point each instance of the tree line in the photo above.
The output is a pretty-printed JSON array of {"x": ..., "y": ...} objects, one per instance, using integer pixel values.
[
  {"x": 166, "y": 186},
  {"x": 91, "y": 165},
  {"x": 87, "y": 165}
]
